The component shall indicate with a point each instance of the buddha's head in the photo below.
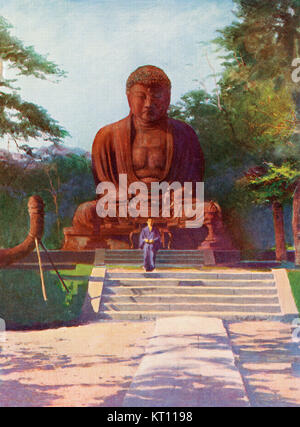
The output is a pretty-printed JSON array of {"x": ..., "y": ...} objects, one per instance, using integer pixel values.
[{"x": 148, "y": 91}]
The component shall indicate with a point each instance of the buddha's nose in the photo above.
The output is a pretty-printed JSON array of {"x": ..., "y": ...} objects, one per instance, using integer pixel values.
[{"x": 148, "y": 101}]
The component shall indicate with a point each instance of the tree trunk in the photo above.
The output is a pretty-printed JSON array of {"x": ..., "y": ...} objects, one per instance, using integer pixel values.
[
  {"x": 296, "y": 223},
  {"x": 281, "y": 253}
]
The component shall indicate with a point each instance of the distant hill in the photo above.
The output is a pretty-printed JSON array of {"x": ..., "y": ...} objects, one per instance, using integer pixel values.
[{"x": 34, "y": 156}]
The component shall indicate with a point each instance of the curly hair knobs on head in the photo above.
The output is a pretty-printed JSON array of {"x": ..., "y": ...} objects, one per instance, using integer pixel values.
[{"x": 148, "y": 75}]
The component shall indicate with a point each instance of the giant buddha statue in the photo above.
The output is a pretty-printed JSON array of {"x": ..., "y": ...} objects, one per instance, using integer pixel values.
[{"x": 147, "y": 146}]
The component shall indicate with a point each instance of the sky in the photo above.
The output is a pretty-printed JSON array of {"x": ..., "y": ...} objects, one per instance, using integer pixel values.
[{"x": 100, "y": 42}]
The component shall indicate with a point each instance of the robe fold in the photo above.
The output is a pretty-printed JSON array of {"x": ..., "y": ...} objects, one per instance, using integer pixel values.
[{"x": 150, "y": 249}]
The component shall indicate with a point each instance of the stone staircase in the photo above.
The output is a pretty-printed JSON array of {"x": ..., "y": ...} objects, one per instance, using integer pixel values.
[
  {"x": 145, "y": 296},
  {"x": 165, "y": 258}
]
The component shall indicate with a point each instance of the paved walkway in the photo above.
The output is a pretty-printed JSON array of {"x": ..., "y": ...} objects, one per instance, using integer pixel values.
[
  {"x": 188, "y": 362},
  {"x": 90, "y": 365},
  {"x": 107, "y": 364},
  {"x": 269, "y": 361}
]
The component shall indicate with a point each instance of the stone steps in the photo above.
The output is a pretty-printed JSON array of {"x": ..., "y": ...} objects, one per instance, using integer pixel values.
[
  {"x": 200, "y": 307},
  {"x": 136, "y": 295},
  {"x": 161, "y": 257},
  {"x": 189, "y": 275},
  {"x": 189, "y": 299},
  {"x": 161, "y": 251},
  {"x": 158, "y": 265},
  {"x": 187, "y": 290},
  {"x": 144, "y": 316},
  {"x": 205, "y": 283},
  {"x": 168, "y": 258}
]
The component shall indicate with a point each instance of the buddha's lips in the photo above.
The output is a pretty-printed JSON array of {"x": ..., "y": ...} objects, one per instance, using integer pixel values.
[
  {"x": 149, "y": 122},
  {"x": 151, "y": 110},
  {"x": 149, "y": 113}
]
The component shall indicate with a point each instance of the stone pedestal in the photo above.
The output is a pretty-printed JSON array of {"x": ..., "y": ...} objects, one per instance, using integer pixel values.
[
  {"x": 80, "y": 241},
  {"x": 109, "y": 238},
  {"x": 117, "y": 233}
]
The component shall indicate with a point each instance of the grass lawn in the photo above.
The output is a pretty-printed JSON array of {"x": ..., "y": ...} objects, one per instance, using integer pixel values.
[
  {"x": 22, "y": 303},
  {"x": 294, "y": 278}
]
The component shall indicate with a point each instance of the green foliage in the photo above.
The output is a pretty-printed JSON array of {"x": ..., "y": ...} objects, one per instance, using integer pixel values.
[
  {"x": 258, "y": 96},
  {"x": 251, "y": 119},
  {"x": 21, "y": 300},
  {"x": 200, "y": 110},
  {"x": 21, "y": 121},
  {"x": 63, "y": 182},
  {"x": 294, "y": 278},
  {"x": 265, "y": 37},
  {"x": 274, "y": 183},
  {"x": 25, "y": 59},
  {"x": 223, "y": 162},
  {"x": 254, "y": 124},
  {"x": 256, "y": 87},
  {"x": 263, "y": 120}
]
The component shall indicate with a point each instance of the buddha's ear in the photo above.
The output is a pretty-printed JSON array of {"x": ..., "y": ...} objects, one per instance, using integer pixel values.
[
  {"x": 169, "y": 95},
  {"x": 128, "y": 97}
]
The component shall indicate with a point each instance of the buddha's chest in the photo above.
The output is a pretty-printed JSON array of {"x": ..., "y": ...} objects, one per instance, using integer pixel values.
[{"x": 149, "y": 149}]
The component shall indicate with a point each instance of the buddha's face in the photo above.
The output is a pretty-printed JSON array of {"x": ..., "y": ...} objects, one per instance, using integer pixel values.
[{"x": 148, "y": 103}]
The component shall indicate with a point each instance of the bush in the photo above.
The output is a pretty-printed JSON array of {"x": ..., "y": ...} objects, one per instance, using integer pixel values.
[{"x": 294, "y": 278}]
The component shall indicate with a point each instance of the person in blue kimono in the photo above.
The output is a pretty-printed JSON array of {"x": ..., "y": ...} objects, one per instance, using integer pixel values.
[{"x": 150, "y": 242}]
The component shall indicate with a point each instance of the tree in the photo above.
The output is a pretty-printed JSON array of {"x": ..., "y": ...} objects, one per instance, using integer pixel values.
[
  {"x": 273, "y": 185},
  {"x": 200, "y": 109},
  {"x": 259, "y": 97},
  {"x": 253, "y": 126},
  {"x": 21, "y": 121},
  {"x": 262, "y": 119},
  {"x": 251, "y": 119},
  {"x": 266, "y": 37}
]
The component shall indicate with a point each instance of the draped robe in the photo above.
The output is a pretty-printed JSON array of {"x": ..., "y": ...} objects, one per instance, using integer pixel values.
[
  {"x": 112, "y": 153},
  {"x": 112, "y": 156}
]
